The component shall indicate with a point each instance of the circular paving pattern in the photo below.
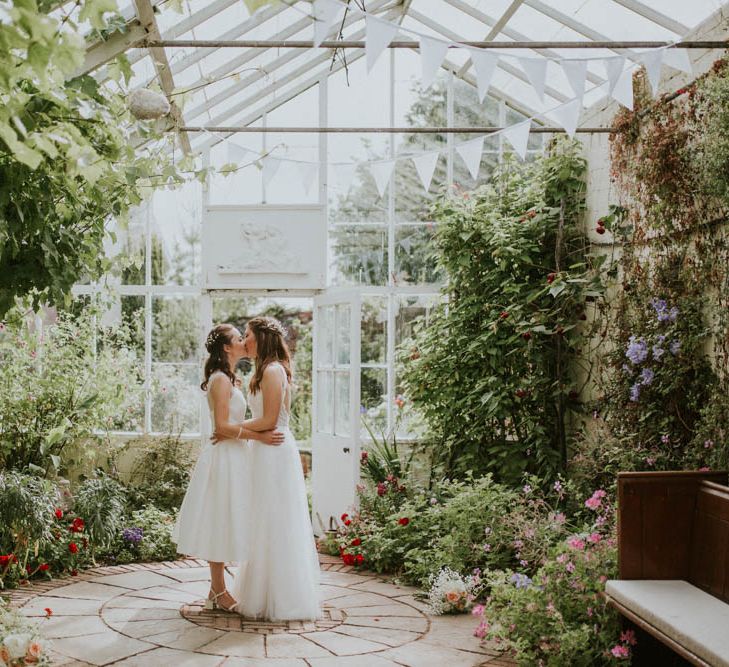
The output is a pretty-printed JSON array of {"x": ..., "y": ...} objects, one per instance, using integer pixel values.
[
  {"x": 222, "y": 620},
  {"x": 153, "y": 615}
]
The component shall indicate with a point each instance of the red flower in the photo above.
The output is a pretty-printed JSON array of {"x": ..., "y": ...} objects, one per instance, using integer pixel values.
[
  {"x": 526, "y": 335},
  {"x": 28, "y": 569},
  {"x": 356, "y": 542},
  {"x": 521, "y": 393},
  {"x": 78, "y": 525},
  {"x": 4, "y": 560},
  {"x": 359, "y": 559},
  {"x": 600, "y": 229},
  {"x": 551, "y": 277},
  {"x": 73, "y": 547},
  {"x": 363, "y": 457},
  {"x": 347, "y": 522},
  {"x": 348, "y": 559},
  {"x": 504, "y": 314},
  {"x": 49, "y": 612},
  {"x": 344, "y": 516},
  {"x": 74, "y": 573},
  {"x": 44, "y": 567},
  {"x": 59, "y": 513},
  {"x": 403, "y": 521}
]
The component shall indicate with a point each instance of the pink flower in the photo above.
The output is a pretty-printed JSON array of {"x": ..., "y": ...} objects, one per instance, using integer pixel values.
[
  {"x": 570, "y": 567},
  {"x": 477, "y": 610},
  {"x": 593, "y": 503},
  {"x": 628, "y": 637},
  {"x": 594, "y": 538},
  {"x": 486, "y": 548},
  {"x": 620, "y": 651},
  {"x": 704, "y": 469},
  {"x": 576, "y": 543}
]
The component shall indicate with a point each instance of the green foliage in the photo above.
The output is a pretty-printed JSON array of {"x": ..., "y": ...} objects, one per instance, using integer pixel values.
[
  {"x": 59, "y": 388},
  {"x": 492, "y": 371},
  {"x": 156, "y": 537},
  {"x": 26, "y": 513},
  {"x": 101, "y": 501},
  {"x": 161, "y": 473},
  {"x": 462, "y": 525},
  {"x": 561, "y": 617},
  {"x": 382, "y": 461}
]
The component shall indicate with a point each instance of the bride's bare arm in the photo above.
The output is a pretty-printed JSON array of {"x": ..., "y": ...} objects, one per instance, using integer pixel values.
[
  {"x": 223, "y": 428},
  {"x": 272, "y": 396}
]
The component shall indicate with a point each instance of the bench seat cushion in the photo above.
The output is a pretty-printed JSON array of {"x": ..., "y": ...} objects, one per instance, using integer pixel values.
[{"x": 696, "y": 620}]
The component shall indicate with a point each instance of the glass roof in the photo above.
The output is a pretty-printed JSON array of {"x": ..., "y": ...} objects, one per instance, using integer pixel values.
[{"x": 224, "y": 86}]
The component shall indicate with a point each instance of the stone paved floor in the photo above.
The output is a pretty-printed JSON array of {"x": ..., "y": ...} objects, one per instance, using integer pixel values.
[{"x": 151, "y": 614}]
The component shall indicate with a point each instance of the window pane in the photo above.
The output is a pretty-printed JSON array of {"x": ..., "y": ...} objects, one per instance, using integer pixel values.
[
  {"x": 359, "y": 255},
  {"x": 342, "y": 408},
  {"x": 374, "y": 330},
  {"x": 176, "y": 398},
  {"x": 374, "y": 399},
  {"x": 175, "y": 328},
  {"x": 132, "y": 318},
  {"x": 326, "y": 336},
  {"x": 325, "y": 402},
  {"x": 414, "y": 261},
  {"x": 343, "y": 335}
]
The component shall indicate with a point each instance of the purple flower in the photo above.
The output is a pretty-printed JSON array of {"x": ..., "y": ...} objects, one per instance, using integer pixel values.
[
  {"x": 675, "y": 347},
  {"x": 665, "y": 314},
  {"x": 708, "y": 444},
  {"x": 520, "y": 580},
  {"x": 133, "y": 534},
  {"x": 665, "y": 439},
  {"x": 635, "y": 393},
  {"x": 637, "y": 351},
  {"x": 646, "y": 376},
  {"x": 657, "y": 352}
]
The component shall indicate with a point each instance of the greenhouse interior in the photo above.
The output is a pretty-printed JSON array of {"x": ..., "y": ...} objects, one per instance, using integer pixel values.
[{"x": 364, "y": 333}]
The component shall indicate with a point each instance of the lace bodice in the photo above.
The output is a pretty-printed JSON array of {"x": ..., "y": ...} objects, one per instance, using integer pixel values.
[
  {"x": 256, "y": 401},
  {"x": 237, "y": 406}
]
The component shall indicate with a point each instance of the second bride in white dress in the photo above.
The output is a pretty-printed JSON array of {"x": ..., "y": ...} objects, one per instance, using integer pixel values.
[{"x": 278, "y": 578}]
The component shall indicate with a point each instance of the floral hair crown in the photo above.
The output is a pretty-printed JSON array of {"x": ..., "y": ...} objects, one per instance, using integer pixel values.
[
  {"x": 273, "y": 326},
  {"x": 212, "y": 338}
]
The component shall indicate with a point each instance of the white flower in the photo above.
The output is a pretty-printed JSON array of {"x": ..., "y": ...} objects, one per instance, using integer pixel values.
[{"x": 17, "y": 645}]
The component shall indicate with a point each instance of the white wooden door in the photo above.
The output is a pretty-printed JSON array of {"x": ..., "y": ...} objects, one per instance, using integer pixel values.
[{"x": 336, "y": 389}]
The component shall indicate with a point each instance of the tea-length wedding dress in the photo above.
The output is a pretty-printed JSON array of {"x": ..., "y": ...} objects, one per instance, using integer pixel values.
[
  {"x": 213, "y": 519},
  {"x": 278, "y": 578}
]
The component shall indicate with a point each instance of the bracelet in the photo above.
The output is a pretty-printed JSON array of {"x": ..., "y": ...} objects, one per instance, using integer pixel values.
[{"x": 240, "y": 430}]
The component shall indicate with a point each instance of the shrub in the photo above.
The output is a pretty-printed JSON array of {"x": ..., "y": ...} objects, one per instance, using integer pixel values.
[
  {"x": 560, "y": 616},
  {"x": 100, "y": 500},
  {"x": 146, "y": 535}
]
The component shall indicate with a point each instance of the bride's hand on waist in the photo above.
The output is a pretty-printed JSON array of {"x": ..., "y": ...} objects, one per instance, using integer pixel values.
[{"x": 272, "y": 437}]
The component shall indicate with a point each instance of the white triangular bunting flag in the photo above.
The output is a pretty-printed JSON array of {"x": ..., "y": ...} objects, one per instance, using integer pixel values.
[
  {"x": 568, "y": 115},
  {"x": 536, "y": 71},
  {"x": 325, "y": 14},
  {"x": 308, "y": 171},
  {"x": 485, "y": 64},
  {"x": 344, "y": 174},
  {"x": 379, "y": 35},
  {"x": 576, "y": 73},
  {"x": 381, "y": 172},
  {"x": 678, "y": 59},
  {"x": 425, "y": 166},
  {"x": 623, "y": 91},
  {"x": 270, "y": 167},
  {"x": 432, "y": 53},
  {"x": 613, "y": 69},
  {"x": 237, "y": 153},
  {"x": 653, "y": 60},
  {"x": 518, "y": 136},
  {"x": 471, "y": 153}
]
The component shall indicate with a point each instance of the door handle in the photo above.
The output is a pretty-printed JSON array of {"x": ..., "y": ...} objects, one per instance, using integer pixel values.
[{"x": 345, "y": 450}]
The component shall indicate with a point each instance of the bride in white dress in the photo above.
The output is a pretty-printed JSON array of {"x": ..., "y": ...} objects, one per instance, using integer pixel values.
[
  {"x": 213, "y": 519},
  {"x": 278, "y": 578}
]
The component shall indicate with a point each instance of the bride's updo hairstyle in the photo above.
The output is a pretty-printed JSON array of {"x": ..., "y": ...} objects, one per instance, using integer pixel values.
[
  {"x": 271, "y": 347},
  {"x": 215, "y": 343}
]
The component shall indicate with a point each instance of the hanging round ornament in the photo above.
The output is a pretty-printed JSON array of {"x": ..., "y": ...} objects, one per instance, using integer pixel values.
[{"x": 147, "y": 104}]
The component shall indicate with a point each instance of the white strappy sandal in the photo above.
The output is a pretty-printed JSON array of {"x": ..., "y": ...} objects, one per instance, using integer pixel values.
[{"x": 211, "y": 603}]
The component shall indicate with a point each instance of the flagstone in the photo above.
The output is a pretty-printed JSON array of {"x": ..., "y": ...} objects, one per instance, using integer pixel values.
[
  {"x": 100, "y": 648},
  {"x": 113, "y": 615},
  {"x": 189, "y": 574},
  {"x": 264, "y": 662},
  {"x": 142, "y": 629},
  {"x": 166, "y": 657},
  {"x": 393, "y": 609},
  {"x": 422, "y": 654},
  {"x": 238, "y": 644},
  {"x": 410, "y": 623},
  {"x": 71, "y": 626},
  {"x": 340, "y": 644},
  {"x": 342, "y": 578},
  {"x": 384, "y": 588},
  {"x": 329, "y": 592},
  {"x": 369, "y": 660},
  {"x": 191, "y": 638},
  {"x": 293, "y": 646},
  {"x": 129, "y": 601},
  {"x": 389, "y": 636},
  {"x": 164, "y": 593},
  {"x": 89, "y": 591},
  {"x": 135, "y": 580},
  {"x": 360, "y": 599},
  {"x": 61, "y": 606}
]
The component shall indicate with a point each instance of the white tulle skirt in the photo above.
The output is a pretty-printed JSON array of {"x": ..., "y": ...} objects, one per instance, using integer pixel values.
[
  {"x": 278, "y": 578},
  {"x": 213, "y": 519}
]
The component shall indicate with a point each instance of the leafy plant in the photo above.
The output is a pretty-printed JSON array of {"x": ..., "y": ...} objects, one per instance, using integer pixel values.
[
  {"x": 146, "y": 535},
  {"x": 495, "y": 385},
  {"x": 381, "y": 462},
  {"x": 59, "y": 389},
  {"x": 101, "y": 501}
]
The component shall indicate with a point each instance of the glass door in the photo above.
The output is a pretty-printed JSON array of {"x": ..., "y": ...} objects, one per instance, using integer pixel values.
[{"x": 336, "y": 389}]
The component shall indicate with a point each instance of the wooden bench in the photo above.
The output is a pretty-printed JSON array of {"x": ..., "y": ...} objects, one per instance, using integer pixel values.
[{"x": 673, "y": 562}]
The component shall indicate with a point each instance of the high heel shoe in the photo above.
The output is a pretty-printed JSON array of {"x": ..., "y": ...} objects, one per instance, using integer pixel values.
[{"x": 211, "y": 603}]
